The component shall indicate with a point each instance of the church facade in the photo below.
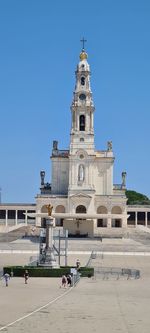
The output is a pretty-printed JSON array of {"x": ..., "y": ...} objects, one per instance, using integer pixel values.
[{"x": 82, "y": 192}]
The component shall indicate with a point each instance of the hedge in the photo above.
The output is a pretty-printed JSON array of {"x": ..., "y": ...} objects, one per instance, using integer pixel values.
[{"x": 18, "y": 271}]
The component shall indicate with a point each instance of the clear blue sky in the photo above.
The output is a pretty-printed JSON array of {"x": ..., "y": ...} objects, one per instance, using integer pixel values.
[{"x": 39, "y": 50}]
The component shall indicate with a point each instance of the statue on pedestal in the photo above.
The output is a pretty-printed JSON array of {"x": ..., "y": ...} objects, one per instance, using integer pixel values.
[
  {"x": 109, "y": 145},
  {"x": 49, "y": 208},
  {"x": 42, "y": 174},
  {"x": 55, "y": 145}
]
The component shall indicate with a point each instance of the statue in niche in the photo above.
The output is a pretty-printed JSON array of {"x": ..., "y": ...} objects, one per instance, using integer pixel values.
[
  {"x": 81, "y": 173},
  {"x": 109, "y": 145},
  {"x": 49, "y": 208},
  {"x": 124, "y": 178}
]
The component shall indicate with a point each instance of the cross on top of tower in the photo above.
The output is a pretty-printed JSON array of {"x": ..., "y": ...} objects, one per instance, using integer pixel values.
[{"x": 83, "y": 41}]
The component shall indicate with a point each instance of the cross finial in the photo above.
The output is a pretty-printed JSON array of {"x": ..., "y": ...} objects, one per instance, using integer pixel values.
[{"x": 83, "y": 41}]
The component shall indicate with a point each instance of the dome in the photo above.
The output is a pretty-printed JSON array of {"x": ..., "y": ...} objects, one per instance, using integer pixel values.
[{"x": 83, "y": 55}]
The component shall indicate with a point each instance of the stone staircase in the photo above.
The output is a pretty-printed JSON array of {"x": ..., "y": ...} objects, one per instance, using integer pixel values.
[
  {"x": 8, "y": 235},
  {"x": 111, "y": 233}
]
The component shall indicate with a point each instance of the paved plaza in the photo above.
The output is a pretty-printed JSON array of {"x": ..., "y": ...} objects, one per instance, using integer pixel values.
[{"x": 93, "y": 305}]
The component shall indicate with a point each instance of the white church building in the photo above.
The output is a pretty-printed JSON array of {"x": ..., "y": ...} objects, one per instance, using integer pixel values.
[{"x": 82, "y": 192}]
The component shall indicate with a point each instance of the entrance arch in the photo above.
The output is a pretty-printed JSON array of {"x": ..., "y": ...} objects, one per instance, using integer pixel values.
[{"x": 79, "y": 210}]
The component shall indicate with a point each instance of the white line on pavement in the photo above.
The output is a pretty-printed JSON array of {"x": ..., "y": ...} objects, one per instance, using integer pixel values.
[{"x": 37, "y": 310}]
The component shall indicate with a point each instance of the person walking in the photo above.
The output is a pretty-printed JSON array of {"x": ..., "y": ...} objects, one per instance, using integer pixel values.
[
  {"x": 69, "y": 280},
  {"x": 78, "y": 264},
  {"x": 63, "y": 281},
  {"x": 6, "y": 277},
  {"x": 26, "y": 276}
]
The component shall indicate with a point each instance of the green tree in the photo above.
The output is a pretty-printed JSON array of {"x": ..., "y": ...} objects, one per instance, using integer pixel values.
[{"x": 135, "y": 198}]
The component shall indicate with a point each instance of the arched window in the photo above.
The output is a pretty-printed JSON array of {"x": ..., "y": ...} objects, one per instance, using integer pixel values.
[
  {"x": 81, "y": 209},
  {"x": 82, "y": 80},
  {"x": 60, "y": 209},
  {"x": 101, "y": 210},
  {"x": 82, "y": 123},
  {"x": 116, "y": 210}
]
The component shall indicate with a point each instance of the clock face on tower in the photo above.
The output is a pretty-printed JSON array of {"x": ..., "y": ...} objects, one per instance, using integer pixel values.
[{"x": 82, "y": 97}]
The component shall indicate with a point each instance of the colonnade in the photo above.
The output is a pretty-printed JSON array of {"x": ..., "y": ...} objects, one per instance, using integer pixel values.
[
  {"x": 15, "y": 215},
  {"x": 136, "y": 218}
]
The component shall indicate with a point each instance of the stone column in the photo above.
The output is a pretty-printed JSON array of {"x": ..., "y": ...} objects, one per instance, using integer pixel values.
[
  {"x": 135, "y": 218},
  {"x": 49, "y": 255},
  {"x": 78, "y": 122},
  {"x": 145, "y": 219},
  {"x": 16, "y": 217},
  {"x": 6, "y": 219},
  {"x": 123, "y": 222},
  {"x": 109, "y": 222},
  {"x": 38, "y": 218},
  {"x": 26, "y": 217}
]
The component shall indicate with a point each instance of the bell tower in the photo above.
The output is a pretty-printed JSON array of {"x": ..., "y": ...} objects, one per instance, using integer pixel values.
[
  {"x": 82, "y": 109},
  {"x": 82, "y": 149}
]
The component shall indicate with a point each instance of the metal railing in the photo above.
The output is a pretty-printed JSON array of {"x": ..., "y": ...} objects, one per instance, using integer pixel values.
[
  {"x": 75, "y": 279},
  {"x": 114, "y": 272}
]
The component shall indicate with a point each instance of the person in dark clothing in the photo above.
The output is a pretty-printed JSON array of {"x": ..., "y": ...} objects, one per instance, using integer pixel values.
[
  {"x": 26, "y": 276},
  {"x": 69, "y": 280}
]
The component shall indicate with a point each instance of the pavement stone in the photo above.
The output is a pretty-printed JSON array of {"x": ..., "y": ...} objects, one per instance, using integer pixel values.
[{"x": 94, "y": 305}]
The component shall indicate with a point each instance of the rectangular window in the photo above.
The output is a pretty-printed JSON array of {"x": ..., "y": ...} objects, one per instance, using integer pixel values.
[
  {"x": 100, "y": 223},
  {"x": 141, "y": 218},
  {"x": 2, "y": 214},
  {"x": 21, "y": 215},
  {"x": 11, "y": 214}
]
